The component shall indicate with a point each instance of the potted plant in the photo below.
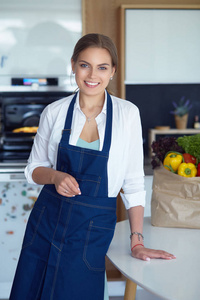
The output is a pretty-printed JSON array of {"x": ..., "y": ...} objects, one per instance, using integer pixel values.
[{"x": 181, "y": 112}]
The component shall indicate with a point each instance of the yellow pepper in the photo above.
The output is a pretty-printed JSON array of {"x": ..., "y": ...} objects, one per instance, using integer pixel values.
[
  {"x": 187, "y": 170},
  {"x": 172, "y": 161}
]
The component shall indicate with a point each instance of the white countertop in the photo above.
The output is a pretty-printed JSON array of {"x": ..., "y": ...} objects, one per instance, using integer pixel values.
[{"x": 176, "y": 279}]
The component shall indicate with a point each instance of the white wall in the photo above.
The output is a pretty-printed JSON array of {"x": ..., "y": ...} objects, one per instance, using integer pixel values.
[
  {"x": 162, "y": 46},
  {"x": 37, "y": 37}
]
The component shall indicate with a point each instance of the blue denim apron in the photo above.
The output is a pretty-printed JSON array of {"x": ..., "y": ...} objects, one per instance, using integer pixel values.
[{"x": 66, "y": 239}]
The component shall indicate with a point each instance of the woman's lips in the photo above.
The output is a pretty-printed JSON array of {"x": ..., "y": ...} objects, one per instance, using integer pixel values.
[{"x": 91, "y": 84}]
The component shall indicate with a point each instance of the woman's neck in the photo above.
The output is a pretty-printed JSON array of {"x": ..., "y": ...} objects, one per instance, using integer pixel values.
[{"x": 91, "y": 102}]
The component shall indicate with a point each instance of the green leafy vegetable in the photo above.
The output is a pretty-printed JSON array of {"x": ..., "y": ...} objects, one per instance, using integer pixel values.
[{"x": 190, "y": 144}]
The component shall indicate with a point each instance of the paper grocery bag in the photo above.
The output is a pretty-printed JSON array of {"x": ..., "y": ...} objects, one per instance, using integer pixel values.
[{"x": 175, "y": 200}]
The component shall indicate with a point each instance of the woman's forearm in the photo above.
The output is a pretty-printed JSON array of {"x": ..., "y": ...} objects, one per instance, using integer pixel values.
[
  {"x": 44, "y": 175},
  {"x": 136, "y": 215}
]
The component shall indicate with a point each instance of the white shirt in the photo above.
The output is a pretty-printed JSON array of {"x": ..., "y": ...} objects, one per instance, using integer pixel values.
[{"x": 125, "y": 163}]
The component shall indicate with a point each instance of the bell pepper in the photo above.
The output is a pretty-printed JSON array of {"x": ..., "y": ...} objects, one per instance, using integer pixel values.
[
  {"x": 187, "y": 170},
  {"x": 188, "y": 158},
  {"x": 172, "y": 161}
]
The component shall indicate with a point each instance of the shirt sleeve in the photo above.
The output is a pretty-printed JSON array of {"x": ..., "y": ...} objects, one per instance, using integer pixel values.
[
  {"x": 133, "y": 193},
  {"x": 39, "y": 153}
]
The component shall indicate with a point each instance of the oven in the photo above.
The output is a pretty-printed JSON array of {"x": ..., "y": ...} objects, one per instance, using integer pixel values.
[{"x": 19, "y": 118}]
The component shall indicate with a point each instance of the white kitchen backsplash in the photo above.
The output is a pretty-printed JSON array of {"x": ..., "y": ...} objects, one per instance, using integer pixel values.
[{"x": 37, "y": 37}]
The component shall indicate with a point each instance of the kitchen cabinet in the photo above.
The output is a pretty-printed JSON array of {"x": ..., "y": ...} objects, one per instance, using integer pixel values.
[{"x": 16, "y": 201}]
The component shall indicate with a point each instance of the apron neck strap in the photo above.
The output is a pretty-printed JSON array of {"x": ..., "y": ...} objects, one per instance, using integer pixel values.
[
  {"x": 68, "y": 120},
  {"x": 108, "y": 128}
]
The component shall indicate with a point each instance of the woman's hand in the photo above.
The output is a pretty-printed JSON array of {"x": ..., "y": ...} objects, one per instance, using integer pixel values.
[
  {"x": 66, "y": 185},
  {"x": 146, "y": 254}
]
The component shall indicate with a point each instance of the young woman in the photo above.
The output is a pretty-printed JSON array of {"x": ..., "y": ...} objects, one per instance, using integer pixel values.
[{"x": 88, "y": 146}]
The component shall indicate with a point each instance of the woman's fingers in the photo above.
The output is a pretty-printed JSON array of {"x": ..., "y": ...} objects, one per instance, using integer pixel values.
[
  {"x": 71, "y": 185},
  {"x": 147, "y": 254},
  {"x": 66, "y": 185}
]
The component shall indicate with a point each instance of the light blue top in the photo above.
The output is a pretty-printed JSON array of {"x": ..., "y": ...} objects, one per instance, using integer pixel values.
[{"x": 93, "y": 145}]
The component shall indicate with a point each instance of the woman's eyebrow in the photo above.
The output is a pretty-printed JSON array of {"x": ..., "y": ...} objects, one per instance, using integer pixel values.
[
  {"x": 103, "y": 64},
  {"x": 84, "y": 61}
]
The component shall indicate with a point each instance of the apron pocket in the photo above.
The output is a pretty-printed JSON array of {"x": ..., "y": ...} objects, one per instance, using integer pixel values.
[
  {"x": 88, "y": 184},
  {"x": 33, "y": 224},
  {"x": 98, "y": 240}
]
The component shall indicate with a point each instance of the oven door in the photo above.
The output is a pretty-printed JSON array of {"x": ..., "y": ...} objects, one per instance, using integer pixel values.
[
  {"x": 21, "y": 115},
  {"x": 20, "y": 123},
  {"x": 19, "y": 118}
]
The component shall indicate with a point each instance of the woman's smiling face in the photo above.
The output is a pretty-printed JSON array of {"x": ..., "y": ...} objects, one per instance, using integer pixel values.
[{"x": 93, "y": 70}]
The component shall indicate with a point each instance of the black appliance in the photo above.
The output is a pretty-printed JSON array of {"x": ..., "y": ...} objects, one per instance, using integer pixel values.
[{"x": 21, "y": 109}]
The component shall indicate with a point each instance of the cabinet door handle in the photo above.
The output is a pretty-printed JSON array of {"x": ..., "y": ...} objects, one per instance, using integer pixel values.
[{"x": 17, "y": 176}]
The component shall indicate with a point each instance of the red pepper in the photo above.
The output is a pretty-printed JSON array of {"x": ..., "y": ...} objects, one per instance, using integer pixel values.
[
  {"x": 188, "y": 158},
  {"x": 198, "y": 169}
]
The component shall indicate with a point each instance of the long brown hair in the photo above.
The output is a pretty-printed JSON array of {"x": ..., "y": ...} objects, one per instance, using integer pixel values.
[{"x": 99, "y": 41}]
